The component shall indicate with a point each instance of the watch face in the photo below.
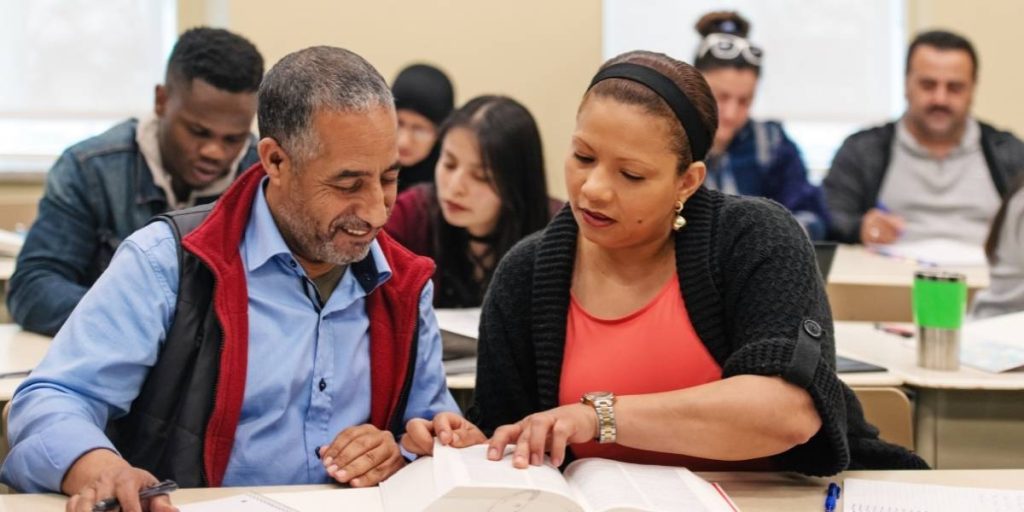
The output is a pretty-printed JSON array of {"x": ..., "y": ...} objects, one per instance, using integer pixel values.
[{"x": 594, "y": 396}]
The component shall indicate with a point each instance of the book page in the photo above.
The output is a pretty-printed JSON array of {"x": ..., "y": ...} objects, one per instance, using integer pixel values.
[
  {"x": 470, "y": 467},
  {"x": 411, "y": 489},
  {"x": 878, "y": 496},
  {"x": 607, "y": 485}
]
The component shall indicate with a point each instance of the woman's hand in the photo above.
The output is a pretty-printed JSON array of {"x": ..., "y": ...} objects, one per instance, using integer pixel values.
[
  {"x": 449, "y": 428},
  {"x": 548, "y": 431}
]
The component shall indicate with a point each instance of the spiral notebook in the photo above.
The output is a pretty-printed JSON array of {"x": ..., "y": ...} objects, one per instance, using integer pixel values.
[{"x": 880, "y": 496}]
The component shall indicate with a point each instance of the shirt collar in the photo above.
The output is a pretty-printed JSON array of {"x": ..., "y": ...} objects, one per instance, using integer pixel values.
[
  {"x": 149, "y": 146},
  {"x": 969, "y": 141},
  {"x": 263, "y": 242}
]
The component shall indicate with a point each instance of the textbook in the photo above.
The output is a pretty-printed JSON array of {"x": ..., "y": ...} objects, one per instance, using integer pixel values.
[{"x": 463, "y": 480}]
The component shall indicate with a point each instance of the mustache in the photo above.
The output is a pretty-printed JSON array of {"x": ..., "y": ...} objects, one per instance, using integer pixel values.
[
  {"x": 350, "y": 222},
  {"x": 939, "y": 109}
]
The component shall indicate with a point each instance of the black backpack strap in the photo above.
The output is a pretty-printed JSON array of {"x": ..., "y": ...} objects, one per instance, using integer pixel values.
[{"x": 182, "y": 222}]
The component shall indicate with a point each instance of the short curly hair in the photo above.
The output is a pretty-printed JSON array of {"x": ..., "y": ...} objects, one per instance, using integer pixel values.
[{"x": 218, "y": 57}]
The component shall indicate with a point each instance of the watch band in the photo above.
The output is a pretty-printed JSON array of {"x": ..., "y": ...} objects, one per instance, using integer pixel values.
[{"x": 604, "y": 405}]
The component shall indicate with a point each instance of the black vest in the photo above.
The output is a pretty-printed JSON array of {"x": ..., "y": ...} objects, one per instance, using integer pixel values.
[{"x": 165, "y": 430}]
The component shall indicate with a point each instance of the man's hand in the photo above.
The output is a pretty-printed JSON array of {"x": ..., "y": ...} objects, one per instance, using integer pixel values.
[
  {"x": 101, "y": 474},
  {"x": 450, "y": 429},
  {"x": 362, "y": 456},
  {"x": 880, "y": 227}
]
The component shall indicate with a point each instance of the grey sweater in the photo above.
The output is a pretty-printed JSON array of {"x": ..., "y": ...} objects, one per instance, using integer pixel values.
[
  {"x": 859, "y": 167},
  {"x": 748, "y": 275}
]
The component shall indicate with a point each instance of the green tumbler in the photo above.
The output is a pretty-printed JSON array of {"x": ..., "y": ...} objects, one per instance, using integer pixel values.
[{"x": 940, "y": 300}]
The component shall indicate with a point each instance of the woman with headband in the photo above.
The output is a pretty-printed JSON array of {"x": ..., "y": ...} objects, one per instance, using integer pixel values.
[
  {"x": 657, "y": 321},
  {"x": 748, "y": 157}
]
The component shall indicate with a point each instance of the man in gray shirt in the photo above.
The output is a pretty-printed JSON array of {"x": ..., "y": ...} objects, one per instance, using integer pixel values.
[{"x": 936, "y": 172}]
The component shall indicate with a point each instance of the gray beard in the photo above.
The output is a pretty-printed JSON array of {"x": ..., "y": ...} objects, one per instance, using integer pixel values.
[{"x": 299, "y": 231}]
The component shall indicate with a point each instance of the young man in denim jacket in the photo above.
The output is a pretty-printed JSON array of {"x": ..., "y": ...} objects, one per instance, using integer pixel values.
[{"x": 102, "y": 189}]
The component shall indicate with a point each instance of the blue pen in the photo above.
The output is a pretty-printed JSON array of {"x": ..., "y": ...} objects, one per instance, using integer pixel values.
[
  {"x": 882, "y": 207},
  {"x": 832, "y": 497}
]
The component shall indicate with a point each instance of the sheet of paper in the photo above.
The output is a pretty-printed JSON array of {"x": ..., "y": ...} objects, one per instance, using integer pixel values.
[
  {"x": 364, "y": 500},
  {"x": 464, "y": 322},
  {"x": 994, "y": 344},
  {"x": 936, "y": 252},
  {"x": 238, "y": 503},
  {"x": 877, "y": 496}
]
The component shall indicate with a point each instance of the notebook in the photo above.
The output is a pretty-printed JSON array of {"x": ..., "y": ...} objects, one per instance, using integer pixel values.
[
  {"x": 847, "y": 365},
  {"x": 878, "y": 496}
]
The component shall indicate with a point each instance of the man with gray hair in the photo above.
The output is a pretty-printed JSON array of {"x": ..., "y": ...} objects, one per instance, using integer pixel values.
[{"x": 277, "y": 337}]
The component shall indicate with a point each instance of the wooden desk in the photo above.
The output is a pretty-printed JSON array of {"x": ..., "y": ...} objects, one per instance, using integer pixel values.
[
  {"x": 863, "y": 285},
  {"x": 19, "y": 350},
  {"x": 752, "y": 492},
  {"x": 962, "y": 419}
]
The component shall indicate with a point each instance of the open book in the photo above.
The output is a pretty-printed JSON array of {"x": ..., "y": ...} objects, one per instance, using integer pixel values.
[{"x": 463, "y": 480}]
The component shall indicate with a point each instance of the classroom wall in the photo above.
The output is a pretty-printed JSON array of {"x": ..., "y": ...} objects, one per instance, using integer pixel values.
[
  {"x": 990, "y": 25},
  {"x": 542, "y": 53}
]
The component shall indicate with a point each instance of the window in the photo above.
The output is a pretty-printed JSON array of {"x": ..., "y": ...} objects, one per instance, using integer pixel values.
[
  {"x": 73, "y": 68},
  {"x": 831, "y": 67}
]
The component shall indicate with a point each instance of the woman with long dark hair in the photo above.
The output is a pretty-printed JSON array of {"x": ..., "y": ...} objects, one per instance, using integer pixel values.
[{"x": 490, "y": 192}]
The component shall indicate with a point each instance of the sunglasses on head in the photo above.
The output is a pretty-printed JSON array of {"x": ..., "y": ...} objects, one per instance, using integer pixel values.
[{"x": 729, "y": 47}]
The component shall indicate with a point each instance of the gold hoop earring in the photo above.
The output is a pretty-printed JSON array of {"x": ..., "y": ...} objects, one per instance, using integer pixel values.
[{"x": 679, "y": 222}]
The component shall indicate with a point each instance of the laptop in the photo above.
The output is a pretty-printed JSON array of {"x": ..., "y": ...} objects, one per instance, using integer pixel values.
[{"x": 824, "y": 252}]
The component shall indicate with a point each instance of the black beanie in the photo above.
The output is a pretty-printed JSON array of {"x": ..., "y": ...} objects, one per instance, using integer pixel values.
[{"x": 425, "y": 90}]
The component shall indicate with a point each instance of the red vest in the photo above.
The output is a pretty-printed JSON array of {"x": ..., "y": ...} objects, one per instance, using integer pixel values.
[{"x": 393, "y": 309}]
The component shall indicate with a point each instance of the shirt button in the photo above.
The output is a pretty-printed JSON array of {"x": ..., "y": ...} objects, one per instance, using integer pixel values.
[
  {"x": 292, "y": 263},
  {"x": 323, "y": 384},
  {"x": 812, "y": 328}
]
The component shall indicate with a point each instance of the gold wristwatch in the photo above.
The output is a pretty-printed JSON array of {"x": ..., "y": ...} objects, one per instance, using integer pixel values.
[{"x": 603, "y": 403}]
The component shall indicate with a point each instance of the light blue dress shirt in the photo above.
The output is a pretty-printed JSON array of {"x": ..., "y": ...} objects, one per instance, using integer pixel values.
[{"x": 101, "y": 357}]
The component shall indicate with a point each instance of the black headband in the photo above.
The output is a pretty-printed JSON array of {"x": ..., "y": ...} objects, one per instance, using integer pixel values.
[{"x": 663, "y": 86}]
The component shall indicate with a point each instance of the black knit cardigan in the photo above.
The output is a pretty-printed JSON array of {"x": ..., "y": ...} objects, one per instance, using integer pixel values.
[{"x": 753, "y": 294}]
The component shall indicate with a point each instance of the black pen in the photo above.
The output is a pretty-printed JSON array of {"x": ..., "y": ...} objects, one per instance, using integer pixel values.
[{"x": 164, "y": 487}]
